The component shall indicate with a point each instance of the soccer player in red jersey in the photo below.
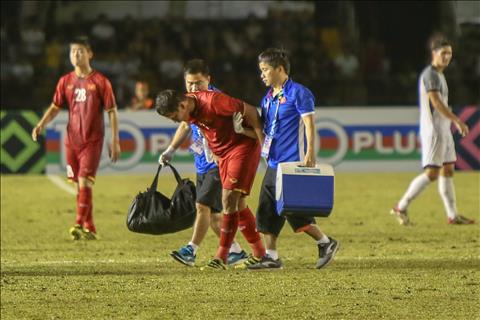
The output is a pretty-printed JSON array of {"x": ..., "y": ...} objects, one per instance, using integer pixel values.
[
  {"x": 238, "y": 157},
  {"x": 86, "y": 93}
]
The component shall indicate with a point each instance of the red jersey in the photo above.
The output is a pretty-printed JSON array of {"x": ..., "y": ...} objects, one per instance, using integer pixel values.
[
  {"x": 86, "y": 98},
  {"x": 214, "y": 116}
]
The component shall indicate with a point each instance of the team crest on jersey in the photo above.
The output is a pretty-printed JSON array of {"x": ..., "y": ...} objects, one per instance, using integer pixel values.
[
  {"x": 205, "y": 122},
  {"x": 91, "y": 86},
  {"x": 70, "y": 87},
  {"x": 283, "y": 100}
]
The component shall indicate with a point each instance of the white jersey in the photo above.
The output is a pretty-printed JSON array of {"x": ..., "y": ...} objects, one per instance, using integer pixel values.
[
  {"x": 431, "y": 121},
  {"x": 438, "y": 147}
]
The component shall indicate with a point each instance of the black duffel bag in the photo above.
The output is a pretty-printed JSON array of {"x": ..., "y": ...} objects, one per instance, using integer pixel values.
[{"x": 153, "y": 213}]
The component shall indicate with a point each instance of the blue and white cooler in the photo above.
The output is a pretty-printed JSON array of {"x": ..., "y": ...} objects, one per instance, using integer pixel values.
[{"x": 304, "y": 191}]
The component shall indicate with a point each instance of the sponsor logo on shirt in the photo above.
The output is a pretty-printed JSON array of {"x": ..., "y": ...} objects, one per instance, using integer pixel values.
[{"x": 91, "y": 87}]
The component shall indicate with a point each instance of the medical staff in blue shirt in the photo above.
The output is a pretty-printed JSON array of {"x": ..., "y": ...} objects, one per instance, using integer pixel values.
[{"x": 287, "y": 112}]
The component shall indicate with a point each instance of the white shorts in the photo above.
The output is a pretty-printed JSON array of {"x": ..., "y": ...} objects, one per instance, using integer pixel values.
[{"x": 438, "y": 150}]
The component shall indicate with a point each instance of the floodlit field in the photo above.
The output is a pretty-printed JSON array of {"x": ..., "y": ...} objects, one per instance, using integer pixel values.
[{"x": 382, "y": 270}]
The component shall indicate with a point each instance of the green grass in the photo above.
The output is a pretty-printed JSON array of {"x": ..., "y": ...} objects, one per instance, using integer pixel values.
[{"x": 382, "y": 270}]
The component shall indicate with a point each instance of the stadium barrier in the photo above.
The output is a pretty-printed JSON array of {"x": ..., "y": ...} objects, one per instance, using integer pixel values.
[
  {"x": 350, "y": 139},
  {"x": 19, "y": 153},
  {"x": 468, "y": 148}
]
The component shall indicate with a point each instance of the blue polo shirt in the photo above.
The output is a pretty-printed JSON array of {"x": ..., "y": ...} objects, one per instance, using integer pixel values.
[
  {"x": 201, "y": 163},
  {"x": 289, "y": 140}
]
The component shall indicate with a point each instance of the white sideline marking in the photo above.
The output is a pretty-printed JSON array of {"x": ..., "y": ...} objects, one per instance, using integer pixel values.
[
  {"x": 59, "y": 182},
  {"x": 83, "y": 262}
]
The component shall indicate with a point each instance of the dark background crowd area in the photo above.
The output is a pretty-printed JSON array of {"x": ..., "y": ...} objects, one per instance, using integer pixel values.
[{"x": 374, "y": 62}]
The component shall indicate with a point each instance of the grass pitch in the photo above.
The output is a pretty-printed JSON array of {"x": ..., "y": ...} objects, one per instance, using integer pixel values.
[{"x": 382, "y": 270}]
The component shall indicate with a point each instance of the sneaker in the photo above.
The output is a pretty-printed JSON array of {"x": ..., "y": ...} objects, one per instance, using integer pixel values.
[
  {"x": 250, "y": 261},
  {"x": 326, "y": 252},
  {"x": 236, "y": 257},
  {"x": 76, "y": 232},
  {"x": 401, "y": 216},
  {"x": 265, "y": 263},
  {"x": 460, "y": 220},
  {"x": 185, "y": 255},
  {"x": 89, "y": 235},
  {"x": 215, "y": 263}
]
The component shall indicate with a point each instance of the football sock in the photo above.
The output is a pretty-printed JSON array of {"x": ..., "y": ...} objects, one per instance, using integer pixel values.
[
  {"x": 88, "y": 224},
  {"x": 227, "y": 234},
  {"x": 78, "y": 218},
  {"x": 235, "y": 247},
  {"x": 194, "y": 246},
  {"x": 415, "y": 188},
  {"x": 324, "y": 239},
  {"x": 447, "y": 192},
  {"x": 273, "y": 254},
  {"x": 246, "y": 224},
  {"x": 84, "y": 201}
]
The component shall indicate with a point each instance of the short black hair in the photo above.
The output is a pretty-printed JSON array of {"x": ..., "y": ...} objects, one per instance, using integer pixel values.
[
  {"x": 438, "y": 41},
  {"x": 195, "y": 66},
  {"x": 82, "y": 40},
  {"x": 275, "y": 57},
  {"x": 167, "y": 102}
]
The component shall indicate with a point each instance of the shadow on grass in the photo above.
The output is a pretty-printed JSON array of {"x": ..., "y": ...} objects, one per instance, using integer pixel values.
[
  {"x": 174, "y": 269},
  {"x": 427, "y": 264}
]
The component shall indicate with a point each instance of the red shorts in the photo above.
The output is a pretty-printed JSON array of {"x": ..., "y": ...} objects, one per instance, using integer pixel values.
[
  {"x": 239, "y": 167},
  {"x": 83, "y": 162}
]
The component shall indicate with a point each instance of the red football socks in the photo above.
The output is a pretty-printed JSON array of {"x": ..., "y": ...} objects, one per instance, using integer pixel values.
[
  {"x": 84, "y": 202},
  {"x": 227, "y": 234},
  {"x": 246, "y": 224},
  {"x": 88, "y": 224}
]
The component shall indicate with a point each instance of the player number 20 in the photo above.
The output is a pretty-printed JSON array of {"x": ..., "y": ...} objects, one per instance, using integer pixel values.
[{"x": 80, "y": 95}]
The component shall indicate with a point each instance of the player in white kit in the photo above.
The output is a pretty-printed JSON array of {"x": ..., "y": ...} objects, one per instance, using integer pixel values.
[{"x": 438, "y": 149}]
